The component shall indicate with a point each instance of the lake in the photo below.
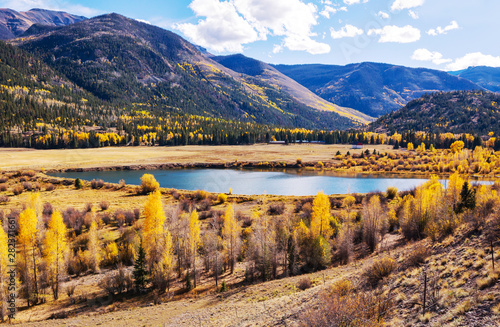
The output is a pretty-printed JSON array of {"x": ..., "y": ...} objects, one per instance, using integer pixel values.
[{"x": 254, "y": 181}]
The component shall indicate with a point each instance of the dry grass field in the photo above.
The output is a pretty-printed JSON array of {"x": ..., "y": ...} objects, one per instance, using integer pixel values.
[{"x": 14, "y": 159}]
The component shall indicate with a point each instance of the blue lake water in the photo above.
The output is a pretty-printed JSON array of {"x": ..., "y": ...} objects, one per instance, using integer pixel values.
[{"x": 249, "y": 181}]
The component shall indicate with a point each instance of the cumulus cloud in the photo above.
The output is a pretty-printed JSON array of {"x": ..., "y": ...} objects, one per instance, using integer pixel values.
[
  {"x": 346, "y": 31},
  {"x": 396, "y": 34},
  {"x": 426, "y": 55},
  {"x": 23, "y": 5},
  {"x": 474, "y": 59},
  {"x": 383, "y": 15},
  {"x": 330, "y": 10},
  {"x": 443, "y": 30},
  {"x": 413, "y": 14},
  {"x": 406, "y": 4},
  {"x": 228, "y": 25},
  {"x": 352, "y": 2}
]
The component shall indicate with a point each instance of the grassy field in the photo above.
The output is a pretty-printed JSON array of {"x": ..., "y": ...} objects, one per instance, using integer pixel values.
[{"x": 13, "y": 159}]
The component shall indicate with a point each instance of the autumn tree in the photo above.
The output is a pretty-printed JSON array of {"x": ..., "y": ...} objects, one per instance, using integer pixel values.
[
  {"x": 93, "y": 252},
  {"x": 194, "y": 239},
  {"x": 374, "y": 222},
  {"x": 231, "y": 235},
  {"x": 149, "y": 184},
  {"x": 4, "y": 255},
  {"x": 56, "y": 251},
  {"x": 457, "y": 146},
  {"x": 157, "y": 242},
  {"x": 28, "y": 242},
  {"x": 321, "y": 217}
]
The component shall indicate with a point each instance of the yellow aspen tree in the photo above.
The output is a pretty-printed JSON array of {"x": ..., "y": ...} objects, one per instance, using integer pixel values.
[
  {"x": 231, "y": 235},
  {"x": 454, "y": 188},
  {"x": 320, "y": 220},
  {"x": 93, "y": 248},
  {"x": 4, "y": 255},
  {"x": 28, "y": 239},
  {"x": 194, "y": 239},
  {"x": 56, "y": 251}
]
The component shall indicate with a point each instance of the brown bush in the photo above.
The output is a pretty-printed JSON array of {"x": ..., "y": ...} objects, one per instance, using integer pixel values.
[
  {"x": 104, "y": 205},
  {"x": 28, "y": 173},
  {"x": 50, "y": 187},
  {"x": 3, "y": 179},
  {"x": 73, "y": 219},
  {"x": 417, "y": 256},
  {"x": 276, "y": 209},
  {"x": 96, "y": 184},
  {"x": 3, "y": 187},
  {"x": 304, "y": 283},
  {"x": 204, "y": 205},
  {"x": 4, "y": 199},
  {"x": 379, "y": 270},
  {"x": 18, "y": 189},
  {"x": 27, "y": 186}
]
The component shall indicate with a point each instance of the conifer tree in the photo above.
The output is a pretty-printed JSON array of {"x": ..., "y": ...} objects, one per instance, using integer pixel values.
[
  {"x": 140, "y": 273},
  {"x": 56, "y": 251}
]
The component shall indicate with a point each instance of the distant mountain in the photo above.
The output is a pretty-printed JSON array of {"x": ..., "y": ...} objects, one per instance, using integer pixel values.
[
  {"x": 487, "y": 77},
  {"x": 454, "y": 112},
  {"x": 14, "y": 24},
  {"x": 373, "y": 88},
  {"x": 260, "y": 70},
  {"x": 127, "y": 62}
]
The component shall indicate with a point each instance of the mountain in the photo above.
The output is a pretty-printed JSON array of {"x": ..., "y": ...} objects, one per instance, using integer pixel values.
[
  {"x": 487, "y": 77},
  {"x": 127, "y": 62},
  {"x": 14, "y": 24},
  {"x": 373, "y": 88},
  {"x": 258, "y": 69},
  {"x": 443, "y": 112}
]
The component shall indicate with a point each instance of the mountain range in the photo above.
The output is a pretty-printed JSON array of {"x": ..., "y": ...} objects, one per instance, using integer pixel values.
[
  {"x": 14, "y": 24},
  {"x": 126, "y": 63}
]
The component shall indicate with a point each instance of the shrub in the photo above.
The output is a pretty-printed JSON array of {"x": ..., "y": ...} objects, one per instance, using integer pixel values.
[
  {"x": 106, "y": 218},
  {"x": 78, "y": 184},
  {"x": 96, "y": 184},
  {"x": 276, "y": 209},
  {"x": 204, "y": 205},
  {"x": 73, "y": 219},
  {"x": 304, "y": 283},
  {"x": 483, "y": 283},
  {"x": 222, "y": 198},
  {"x": 4, "y": 199},
  {"x": 18, "y": 189},
  {"x": 50, "y": 187},
  {"x": 149, "y": 184},
  {"x": 379, "y": 270},
  {"x": 342, "y": 287},
  {"x": 88, "y": 207},
  {"x": 3, "y": 187},
  {"x": 110, "y": 254},
  {"x": 47, "y": 209},
  {"x": 27, "y": 186},
  {"x": 104, "y": 205},
  {"x": 137, "y": 213},
  {"x": 28, "y": 173},
  {"x": 392, "y": 192},
  {"x": 417, "y": 256},
  {"x": 200, "y": 195},
  {"x": 3, "y": 179}
]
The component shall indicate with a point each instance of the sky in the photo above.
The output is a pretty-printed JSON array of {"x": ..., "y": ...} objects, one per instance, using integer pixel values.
[{"x": 440, "y": 34}]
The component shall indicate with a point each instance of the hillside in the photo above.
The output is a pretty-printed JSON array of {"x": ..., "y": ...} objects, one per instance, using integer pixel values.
[
  {"x": 14, "y": 23},
  {"x": 268, "y": 74},
  {"x": 373, "y": 88},
  {"x": 454, "y": 112},
  {"x": 487, "y": 77},
  {"x": 123, "y": 61}
]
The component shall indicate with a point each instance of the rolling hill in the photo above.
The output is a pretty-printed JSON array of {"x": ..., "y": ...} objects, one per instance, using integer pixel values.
[
  {"x": 124, "y": 61},
  {"x": 475, "y": 112},
  {"x": 487, "y": 77},
  {"x": 373, "y": 88},
  {"x": 14, "y": 23}
]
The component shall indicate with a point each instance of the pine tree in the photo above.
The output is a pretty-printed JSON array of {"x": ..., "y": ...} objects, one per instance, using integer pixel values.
[
  {"x": 56, "y": 251},
  {"x": 140, "y": 273}
]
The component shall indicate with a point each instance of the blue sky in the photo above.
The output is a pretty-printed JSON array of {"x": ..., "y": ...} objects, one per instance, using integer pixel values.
[{"x": 440, "y": 34}]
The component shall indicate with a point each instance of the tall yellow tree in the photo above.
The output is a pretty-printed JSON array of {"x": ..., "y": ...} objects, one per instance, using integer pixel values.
[
  {"x": 194, "y": 239},
  {"x": 28, "y": 239},
  {"x": 320, "y": 220},
  {"x": 231, "y": 235},
  {"x": 93, "y": 248},
  {"x": 157, "y": 241},
  {"x": 56, "y": 251},
  {"x": 4, "y": 255}
]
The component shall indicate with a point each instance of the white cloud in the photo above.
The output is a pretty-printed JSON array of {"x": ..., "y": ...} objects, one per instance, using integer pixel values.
[
  {"x": 383, "y": 15},
  {"x": 413, "y": 14},
  {"x": 474, "y": 59},
  {"x": 222, "y": 30},
  {"x": 391, "y": 33},
  {"x": 330, "y": 10},
  {"x": 440, "y": 30},
  {"x": 406, "y": 4},
  {"x": 352, "y": 2},
  {"x": 76, "y": 9},
  {"x": 426, "y": 55},
  {"x": 228, "y": 25},
  {"x": 346, "y": 31}
]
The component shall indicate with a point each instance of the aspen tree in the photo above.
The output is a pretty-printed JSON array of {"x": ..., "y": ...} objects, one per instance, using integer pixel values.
[
  {"x": 4, "y": 252},
  {"x": 28, "y": 239},
  {"x": 194, "y": 239},
  {"x": 93, "y": 248},
  {"x": 56, "y": 251},
  {"x": 231, "y": 235},
  {"x": 320, "y": 221}
]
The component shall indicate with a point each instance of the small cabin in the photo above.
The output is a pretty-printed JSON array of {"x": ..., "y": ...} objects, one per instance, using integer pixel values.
[{"x": 358, "y": 145}]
